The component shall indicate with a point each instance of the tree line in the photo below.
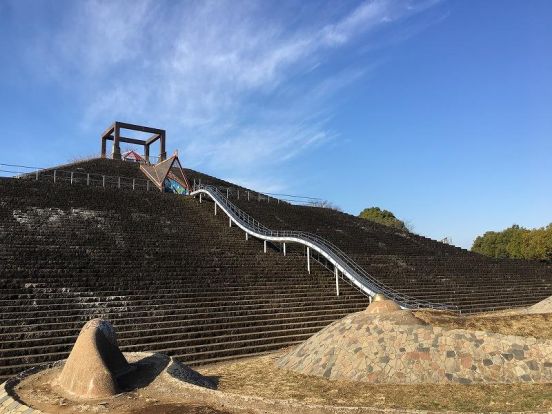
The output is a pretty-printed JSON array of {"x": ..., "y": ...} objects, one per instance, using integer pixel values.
[{"x": 517, "y": 243}]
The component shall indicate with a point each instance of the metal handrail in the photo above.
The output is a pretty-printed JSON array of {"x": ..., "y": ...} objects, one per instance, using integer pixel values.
[
  {"x": 264, "y": 196},
  {"x": 354, "y": 272}
]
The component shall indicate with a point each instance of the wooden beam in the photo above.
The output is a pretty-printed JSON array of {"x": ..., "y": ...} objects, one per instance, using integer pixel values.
[
  {"x": 127, "y": 140},
  {"x": 108, "y": 131},
  {"x": 153, "y": 138},
  {"x": 141, "y": 128}
]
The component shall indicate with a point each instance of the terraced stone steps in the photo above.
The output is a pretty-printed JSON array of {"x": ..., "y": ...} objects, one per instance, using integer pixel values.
[{"x": 169, "y": 274}]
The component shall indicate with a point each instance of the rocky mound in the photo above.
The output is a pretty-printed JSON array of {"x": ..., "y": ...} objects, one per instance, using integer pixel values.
[{"x": 396, "y": 347}]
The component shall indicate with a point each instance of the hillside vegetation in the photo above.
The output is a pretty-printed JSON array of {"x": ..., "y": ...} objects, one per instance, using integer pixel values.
[
  {"x": 517, "y": 243},
  {"x": 384, "y": 217}
]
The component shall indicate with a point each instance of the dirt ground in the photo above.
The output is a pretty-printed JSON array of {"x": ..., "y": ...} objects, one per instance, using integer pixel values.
[
  {"x": 257, "y": 376},
  {"x": 152, "y": 394}
]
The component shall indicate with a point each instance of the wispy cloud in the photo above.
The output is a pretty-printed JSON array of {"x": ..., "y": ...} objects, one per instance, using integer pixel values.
[{"x": 236, "y": 84}]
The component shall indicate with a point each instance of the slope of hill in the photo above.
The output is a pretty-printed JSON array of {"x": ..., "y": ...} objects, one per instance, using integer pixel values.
[{"x": 170, "y": 275}]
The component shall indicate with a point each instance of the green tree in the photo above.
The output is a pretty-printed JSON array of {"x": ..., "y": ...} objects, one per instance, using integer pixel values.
[
  {"x": 384, "y": 217},
  {"x": 516, "y": 242}
]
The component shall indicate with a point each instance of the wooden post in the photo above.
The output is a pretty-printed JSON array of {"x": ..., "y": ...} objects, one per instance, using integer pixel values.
[
  {"x": 264, "y": 246},
  {"x": 116, "y": 142},
  {"x": 163, "y": 154},
  {"x": 103, "y": 146}
]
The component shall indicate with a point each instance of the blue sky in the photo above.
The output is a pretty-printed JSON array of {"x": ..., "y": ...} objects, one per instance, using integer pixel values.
[{"x": 439, "y": 111}]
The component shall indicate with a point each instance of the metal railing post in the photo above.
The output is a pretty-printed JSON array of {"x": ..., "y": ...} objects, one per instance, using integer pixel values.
[
  {"x": 229, "y": 221},
  {"x": 308, "y": 259},
  {"x": 284, "y": 248},
  {"x": 246, "y": 236},
  {"x": 71, "y": 177},
  {"x": 215, "y": 209},
  {"x": 133, "y": 182},
  {"x": 55, "y": 176},
  {"x": 264, "y": 246},
  {"x": 336, "y": 280},
  {"x": 227, "y": 192},
  {"x": 248, "y": 196},
  {"x": 200, "y": 198}
]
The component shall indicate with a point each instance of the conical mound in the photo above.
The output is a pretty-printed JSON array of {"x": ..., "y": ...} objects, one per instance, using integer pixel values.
[
  {"x": 380, "y": 304},
  {"x": 94, "y": 363}
]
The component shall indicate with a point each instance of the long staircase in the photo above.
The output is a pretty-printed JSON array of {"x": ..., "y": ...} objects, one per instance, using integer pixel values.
[
  {"x": 414, "y": 266},
  {"x": 92, "y": 239},
  {"x": 170, "y": 275}
]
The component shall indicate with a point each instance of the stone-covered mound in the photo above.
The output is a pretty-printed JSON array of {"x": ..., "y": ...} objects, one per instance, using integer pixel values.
[{"x": 397, "y": 347}]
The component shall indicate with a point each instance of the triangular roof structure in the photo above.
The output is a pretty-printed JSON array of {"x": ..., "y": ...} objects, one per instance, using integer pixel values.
[
  {"x": 170, "y": 168},
  {"x": 132, "y": 156}
]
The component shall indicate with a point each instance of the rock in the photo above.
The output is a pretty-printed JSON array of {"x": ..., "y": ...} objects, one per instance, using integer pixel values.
[
  {"x": 94, "y": 364},
  {"x": 380, "y": 304}
]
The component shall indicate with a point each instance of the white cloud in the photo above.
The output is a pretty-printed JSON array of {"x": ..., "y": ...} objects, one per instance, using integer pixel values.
[{"x": 234, "y": 83}]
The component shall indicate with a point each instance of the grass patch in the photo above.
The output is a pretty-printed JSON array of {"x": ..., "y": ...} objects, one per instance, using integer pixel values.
[{"x": 535, "y": 325}]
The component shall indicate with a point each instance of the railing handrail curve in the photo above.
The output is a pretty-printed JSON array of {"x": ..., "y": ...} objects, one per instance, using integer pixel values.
[{"x": 352, "y": 270}]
